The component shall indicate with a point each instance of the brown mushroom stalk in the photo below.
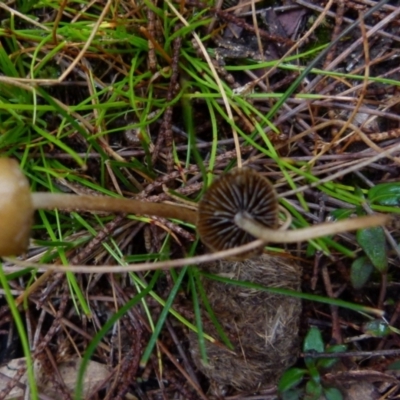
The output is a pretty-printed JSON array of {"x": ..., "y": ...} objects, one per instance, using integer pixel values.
[
  {"x": 49, "y": 201},
  {"x": 259, "y": 231}
]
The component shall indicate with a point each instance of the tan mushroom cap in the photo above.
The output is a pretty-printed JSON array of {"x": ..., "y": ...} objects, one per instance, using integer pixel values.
[
  {"x": 240, "y": 191},
  {"x": 16, "y": 211}
]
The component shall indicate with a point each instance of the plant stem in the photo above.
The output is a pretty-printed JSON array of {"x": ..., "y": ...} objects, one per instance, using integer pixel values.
[
  {"x": 311, "y": 232},
  {"x": 110, "y": 204}
]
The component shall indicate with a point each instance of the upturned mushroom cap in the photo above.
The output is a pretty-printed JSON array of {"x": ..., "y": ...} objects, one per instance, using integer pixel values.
[
  {"x": 16, "y": 211},
  {"x": 239, "y": 192}
]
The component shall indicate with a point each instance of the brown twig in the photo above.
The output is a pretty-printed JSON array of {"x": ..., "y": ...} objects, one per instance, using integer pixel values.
[{"x": 165, "y": 134}]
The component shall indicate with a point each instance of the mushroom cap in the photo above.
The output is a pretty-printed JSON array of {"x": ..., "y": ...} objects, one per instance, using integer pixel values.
[
  {"x": 16, "y": 210},
  {"x": 243, "y": 191}
]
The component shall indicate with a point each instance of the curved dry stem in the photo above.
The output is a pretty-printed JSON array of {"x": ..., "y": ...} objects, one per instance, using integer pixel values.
[
  {"x": 312, "y": 232},
  {"x": 110, "y": 204},
  {"x": 146, "y": 266},
  {"x": 288, "y": 220}
]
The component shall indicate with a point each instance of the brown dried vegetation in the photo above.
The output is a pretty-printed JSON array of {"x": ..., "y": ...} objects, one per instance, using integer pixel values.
[
  {"x": 336, "y": 133},
  {"x": 262, "y": 327}
]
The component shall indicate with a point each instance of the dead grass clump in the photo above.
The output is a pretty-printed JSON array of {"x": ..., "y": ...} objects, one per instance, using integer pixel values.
[{"x": 262, "y": 327}]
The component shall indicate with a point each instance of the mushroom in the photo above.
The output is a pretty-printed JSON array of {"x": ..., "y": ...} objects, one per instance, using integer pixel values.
[
  {"x": 237, "y": 208},
  {"x": 242, "y": 205},
  {"x": 16, "y": 209},
  {"x": 17, "y": 205}
]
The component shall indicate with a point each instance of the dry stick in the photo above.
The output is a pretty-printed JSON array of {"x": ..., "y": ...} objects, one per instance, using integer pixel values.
[
  {"x": 383, "y": 286},
  {"x": 328, "y": 60},
  {"x": 363, "y": 354},
  {"x": 153, "y": 266},
  {"x": 336, "y": 331},
  {"x": 57, "y": 20},
  {"x": 334, "y": 104},
  {"x": 336, "y": 31},
  {"x": 257, "y": 30},
  {"x": 152, "y": 43},
  {"x": 165, "y": 134},
  {"x": 140, "y": 266}
]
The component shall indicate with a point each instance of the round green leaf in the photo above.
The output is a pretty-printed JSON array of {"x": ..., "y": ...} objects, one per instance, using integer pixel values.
[
  {"x": 313, "y": 390},
  {"x": 333, "y": 394},
  {"x": 387, "y": 194},
  {"x": 361, "y": 270},
  {"x": 373, "y": 242},
  {"x": 291, "y": 378}
]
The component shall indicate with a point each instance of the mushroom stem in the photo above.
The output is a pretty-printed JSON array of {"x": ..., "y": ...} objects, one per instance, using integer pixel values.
[
  {"x": 111, "y": 204},
  {"x": 258, "y": 230}
]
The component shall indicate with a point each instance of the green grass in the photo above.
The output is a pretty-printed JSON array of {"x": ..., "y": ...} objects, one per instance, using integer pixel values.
[{"x": 72, "y": 130}]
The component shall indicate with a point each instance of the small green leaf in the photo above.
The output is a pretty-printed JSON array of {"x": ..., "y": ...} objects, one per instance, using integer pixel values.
[
  {"x": 359, "y": 193},
  {"x": 313, "y": 390},
  {"x": 336, "y": 348},
  {"x": 296, "y": 394},
  {"x": 341, "y": 213},
  {"x": 377, "y": 328},
  {"x": 312, "y": 370},
  {"x": 361, "y": 270},
  {"x": 373, "y": 242},
  {"x": 311, "y": 250},
  {"x": 387, "y": 194},
  {"x": 313, "y": 341},
  {"x": 326, "y": 363},
  {"x": 17, "y": 274},
  {"x": 330, "y": 362},
  {"x": 310, "y": 364},
  {"x": 333, "y": 394},
  {"x": 394, "y": 365},
  {"x": 291, "y": 378}
]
